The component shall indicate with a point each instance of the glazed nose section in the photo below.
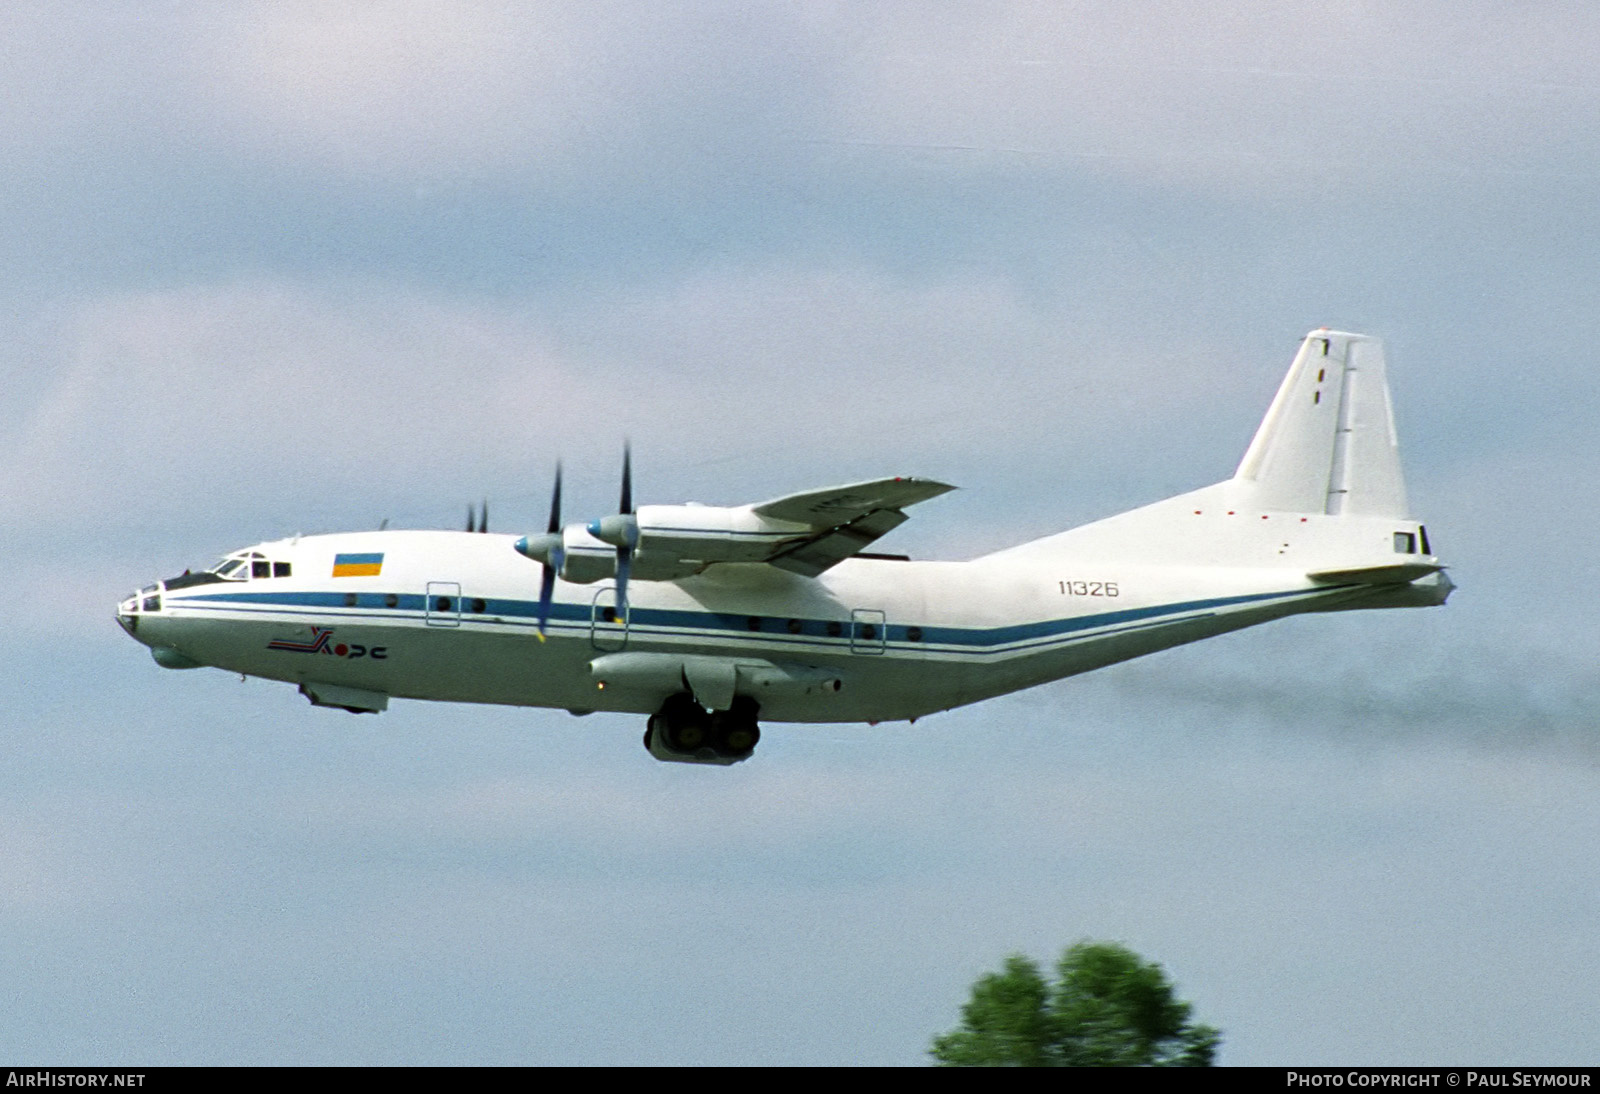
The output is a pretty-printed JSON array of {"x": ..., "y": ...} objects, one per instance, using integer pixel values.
[
  {"x": 146, "y": 601},
  {"x": 140, "y": 615}
]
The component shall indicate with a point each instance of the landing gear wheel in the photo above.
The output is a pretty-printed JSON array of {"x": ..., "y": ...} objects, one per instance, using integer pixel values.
[
  {"x": 740, "y": 738},
  {"x": 687, "y": 736},
  {"x": 734, "y": 731},
  {"x": 685, "y": 732},
  {"x": 682, "y": 723}
]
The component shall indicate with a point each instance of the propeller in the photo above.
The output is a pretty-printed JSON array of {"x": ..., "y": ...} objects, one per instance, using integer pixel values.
[
  {"x": 621, "y": 531},
  {"x": 547, "y": 550},
  {"x": 479, "y": 521}
]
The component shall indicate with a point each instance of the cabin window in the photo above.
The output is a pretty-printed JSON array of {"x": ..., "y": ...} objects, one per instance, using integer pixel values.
[
  {"x": 442, "y": 604},
  {"x": 795, "y": 626},
  {"x": 391, "y": 601},
  {"x": 349, "y": 600},
  {"x": 753, "y": 623},
  {"x": 479, "y": 606},
  {"x": 835, "y": 628},
  {"x": 1405, "y": 543},
  {"x": 914, "y": 634}
]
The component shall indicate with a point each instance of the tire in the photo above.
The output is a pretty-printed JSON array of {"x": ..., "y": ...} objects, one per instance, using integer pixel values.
[
  {"x": 735, "y": 732},
  {"x": 740, "y": 739},
  {"x": 688, "y": 736},
  {"x": 682, "y": 722}
]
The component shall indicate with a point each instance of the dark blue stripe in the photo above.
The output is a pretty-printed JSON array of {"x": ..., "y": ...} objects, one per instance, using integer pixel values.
[{"x": 676, "y": 622}]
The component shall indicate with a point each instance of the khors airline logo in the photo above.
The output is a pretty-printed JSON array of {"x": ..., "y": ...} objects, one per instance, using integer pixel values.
[{"x": 322, "y": 642}]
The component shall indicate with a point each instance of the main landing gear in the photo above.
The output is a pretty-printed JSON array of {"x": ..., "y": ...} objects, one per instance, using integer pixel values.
[{"x": 685, "y": 732}]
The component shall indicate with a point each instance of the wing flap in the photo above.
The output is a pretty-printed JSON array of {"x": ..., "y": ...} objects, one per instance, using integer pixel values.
[
  {"x": 816, "y": 555},
  {"x": 836, "y": 506}
]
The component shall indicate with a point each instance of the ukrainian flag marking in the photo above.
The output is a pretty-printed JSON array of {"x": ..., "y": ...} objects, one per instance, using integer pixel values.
[{"x": 357, "y": 565}]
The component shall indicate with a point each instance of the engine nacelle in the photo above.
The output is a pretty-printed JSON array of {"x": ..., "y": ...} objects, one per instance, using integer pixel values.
[
  {"x": 577, "y": 556},
  {"x": 585, "y": 559},
  {"x": 668, "y": 542},
  {"x": 701, "y": 533}
]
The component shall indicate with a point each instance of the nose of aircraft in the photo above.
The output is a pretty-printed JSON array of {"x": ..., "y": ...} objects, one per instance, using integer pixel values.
[
  {"x": 134, "y": 608},
  {"x": 137, "y": 613}
]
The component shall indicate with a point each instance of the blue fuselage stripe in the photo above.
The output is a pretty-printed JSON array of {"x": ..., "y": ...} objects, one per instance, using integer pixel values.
[{"x": 676, "y": 623}]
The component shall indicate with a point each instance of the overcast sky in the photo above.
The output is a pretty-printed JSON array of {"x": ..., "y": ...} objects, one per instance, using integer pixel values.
[{"x": 276, "y": 267}]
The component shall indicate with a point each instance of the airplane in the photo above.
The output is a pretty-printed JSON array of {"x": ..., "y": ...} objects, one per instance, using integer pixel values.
[{"x": 709, "y": 620}]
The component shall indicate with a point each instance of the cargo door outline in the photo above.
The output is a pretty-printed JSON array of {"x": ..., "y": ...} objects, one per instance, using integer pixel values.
[
  {"x": 866, "y": 630},
  {"x": 442, "y": 606}
]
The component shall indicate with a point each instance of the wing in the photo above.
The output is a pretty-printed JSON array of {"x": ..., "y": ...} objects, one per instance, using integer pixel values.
[
  {"x": 802, "y": 533},
  {"x": 843, "y": 519}
]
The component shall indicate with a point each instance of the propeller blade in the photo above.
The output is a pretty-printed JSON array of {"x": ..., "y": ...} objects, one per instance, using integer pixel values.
[
  {"x": 469, "y": 516},
  {"x": 555, "y": 503},
  {"x": 626, "y": 508},
  {"x": 483, "y": 517},
  {"x": 553, "y": 559},
  {"x": 624, "y": 564},
  {"x": 547, "y": 588},
  {"x": 630, "y": 532}
]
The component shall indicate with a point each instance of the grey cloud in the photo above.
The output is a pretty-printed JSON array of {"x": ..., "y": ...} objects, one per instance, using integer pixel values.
[
  {"x": 182, "y": 395},
  {"x": 1279, "y": 96}
]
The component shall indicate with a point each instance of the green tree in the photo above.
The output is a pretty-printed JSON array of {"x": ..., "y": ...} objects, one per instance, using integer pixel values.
[{"x": 1107, "y": 1008}]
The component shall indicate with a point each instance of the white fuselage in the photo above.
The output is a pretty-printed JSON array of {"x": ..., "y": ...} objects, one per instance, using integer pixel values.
[
  {"x": 770, "y": 610},
  {"x": 453, "y": 616}
]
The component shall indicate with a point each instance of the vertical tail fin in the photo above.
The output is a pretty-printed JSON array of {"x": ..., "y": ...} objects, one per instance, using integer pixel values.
[
  {"x": 1326, "y": 449},
  {"x": 1327, "y": 444}
]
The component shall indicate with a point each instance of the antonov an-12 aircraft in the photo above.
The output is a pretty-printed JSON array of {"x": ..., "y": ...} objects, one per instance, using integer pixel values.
[{"x": 706, "y": 619}]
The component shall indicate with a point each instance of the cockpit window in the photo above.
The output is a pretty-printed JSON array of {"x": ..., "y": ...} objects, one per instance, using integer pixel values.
[{"x": 246, "y": 565}]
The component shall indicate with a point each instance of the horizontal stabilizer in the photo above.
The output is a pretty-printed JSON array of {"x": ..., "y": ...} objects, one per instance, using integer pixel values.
[{"x": 1394, "y": 574}]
